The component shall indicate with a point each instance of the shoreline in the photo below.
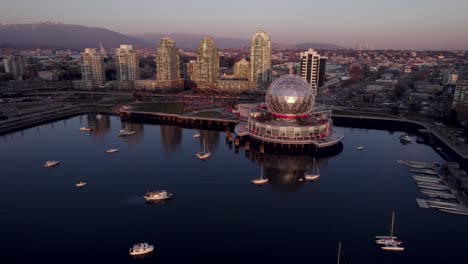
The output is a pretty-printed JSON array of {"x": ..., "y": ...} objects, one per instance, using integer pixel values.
[{"x": 370, "y": 122}]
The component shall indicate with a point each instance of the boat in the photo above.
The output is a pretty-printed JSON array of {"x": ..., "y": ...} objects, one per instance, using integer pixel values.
[
  {"x": 80, "y": 184},
  {"x": 85, "y": 129},
  {"x": 388, "y": 241},
  {"x": 454, "y": 212},
  {"x": 157, "y": 196},
  {"x": 392, "y": 247},
  {"x": 360, "y": 147},
  {"x": 261, "y": 180},
  {"x": 125, "y": 133},
  {"x": 426, "y": 179},
  {"x": 110, "y": 151},
  {"x": 424, "y": 171},
  {"x": 141, "y": 249},
  {"x": 51, "y": 163},
  {"x": 315, "y": 173},
  {"x": 98, "y": 116},
  {"x": 205, "y": 154},
  {"x": 405, "y": 138},
  {"x": 196, "y": 135}
]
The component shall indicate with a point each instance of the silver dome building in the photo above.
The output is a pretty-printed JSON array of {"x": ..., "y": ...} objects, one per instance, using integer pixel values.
[
  {"x": 290, "y": 97},
  {"x": 291, "y": 117}
]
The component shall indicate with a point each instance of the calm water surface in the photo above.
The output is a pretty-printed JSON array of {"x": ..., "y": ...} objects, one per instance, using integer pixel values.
[{"x": 217, "y": 215}]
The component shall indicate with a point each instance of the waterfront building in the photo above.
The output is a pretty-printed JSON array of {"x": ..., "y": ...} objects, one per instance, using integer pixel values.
[
  {"x": 322, "y": 70},
  {"x": 460, "y": 100},
  {"x": 310, "y": 67},
  {"x": 167, "y": 61},
  {"x": 14, "y": 64},
  {"x": 92, "y": 69},
  {"x": 127, "y": 63},
  {"x": 290, "y": 117},
  {"x": 192, "y": 70},
  {"x": 241, "y": 70},
  {"x": 207, "y": 69},
  {"x": 260, "y": 60}
]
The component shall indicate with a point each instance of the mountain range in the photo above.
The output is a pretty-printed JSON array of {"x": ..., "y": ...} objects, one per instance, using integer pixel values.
[{"x": 76, "y": 37}]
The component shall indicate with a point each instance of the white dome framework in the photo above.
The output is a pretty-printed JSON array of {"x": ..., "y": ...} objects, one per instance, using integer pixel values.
[{"x": 290, "y": 97}]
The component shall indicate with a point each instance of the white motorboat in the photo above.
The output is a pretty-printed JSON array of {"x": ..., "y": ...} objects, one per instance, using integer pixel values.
[
  {"x": 99, "y": 116},
  {"x": 360, "y": 147},
  {"x": 80, "y": 184},
  {"x": 314, "y": 175},
  {"x": 261, "y": 180},
  {"x": 141, "y": 249},
  {"x": 389, "y": 241},
  {"x": 157, "y": 196},
  {"x": 205, "y": 154},
  {"x": 196, "y": 135},
  {"x": 405, "y": 138},
  {"x": 51, "y": 163},
  {"x": 85, "y": 129},
  {"x": 110, "y": 151}
]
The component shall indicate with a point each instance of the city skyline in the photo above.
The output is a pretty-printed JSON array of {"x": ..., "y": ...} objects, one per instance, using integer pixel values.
[{"x": 377, "y": 25}]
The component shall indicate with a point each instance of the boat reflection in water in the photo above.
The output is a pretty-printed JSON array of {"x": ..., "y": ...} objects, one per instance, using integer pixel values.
[
  {"x": 285, "y": 171},
  {"x": 135, "y": 138},
  {"x": 100, "y": 127}
]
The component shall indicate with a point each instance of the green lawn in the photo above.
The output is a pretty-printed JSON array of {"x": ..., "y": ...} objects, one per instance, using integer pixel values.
[{"x": 161, "y": 107}]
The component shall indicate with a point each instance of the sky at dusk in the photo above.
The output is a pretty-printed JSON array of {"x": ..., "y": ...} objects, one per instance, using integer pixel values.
[{"x": 409, "y": 24}]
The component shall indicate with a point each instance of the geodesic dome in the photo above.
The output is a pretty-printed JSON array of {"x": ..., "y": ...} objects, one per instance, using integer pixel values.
[{"x": 290, "y": 96}]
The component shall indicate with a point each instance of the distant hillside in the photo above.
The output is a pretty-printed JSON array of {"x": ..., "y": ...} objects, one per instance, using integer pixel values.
[
  {"x": 62, "y": 36},
  {"x": 313, "y": 45},
  {"x": 187, "y": 41}
]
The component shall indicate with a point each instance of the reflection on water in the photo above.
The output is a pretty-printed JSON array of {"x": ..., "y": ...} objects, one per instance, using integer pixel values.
[
  {"x": 171, "y": 137},
  {"x": 134, "y": 139},
  {"x": 211, "y": 138},
  {"x": 286, "y": 172},
  {"x": 100, "y": 126}
]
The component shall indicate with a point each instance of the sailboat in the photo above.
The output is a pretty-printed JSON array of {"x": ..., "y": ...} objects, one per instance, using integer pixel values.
[
  {"x": 205, "y": 154},
  {"x": 261, "y": 180},
  {"x": 196, "y": 135},
  {"x": 389, "y": 242},
  {"x": 315, "y": 173}
]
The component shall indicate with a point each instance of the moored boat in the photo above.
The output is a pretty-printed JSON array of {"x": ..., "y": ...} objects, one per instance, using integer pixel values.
[
  {"x": 261, "y": 180},
  {"x": 110, "y": 151},
  {"x": 141, "y": 249},
  {"x": 157, "y": 196},
  {"x": 80, "y": 184},
  {"x": 405, "y": 138},
  {"x": 314, "y": 175},
  {"x": 51, "y": 163},
  {"x": 205, "y": 154},
  {"x": 360, "y": 147},
  {"x": 85, "y": 129}
]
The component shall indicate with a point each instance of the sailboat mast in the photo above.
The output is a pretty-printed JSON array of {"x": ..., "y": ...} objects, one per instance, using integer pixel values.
[
  {"x": 261, "y": 171},
  {"x": 339, "y": 253},
  {"x": 393, "y": 219}
]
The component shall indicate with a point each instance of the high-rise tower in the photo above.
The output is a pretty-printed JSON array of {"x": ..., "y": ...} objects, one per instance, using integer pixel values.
[
  {"x": 167, "y": 61},
  {"x": 260, "y": 60},
  {"x": 92, "y": 68},
  {"x": 310, "y": 67},
  {"x": 207, "y": 64},
  {"x": 127, "y": 63}
]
